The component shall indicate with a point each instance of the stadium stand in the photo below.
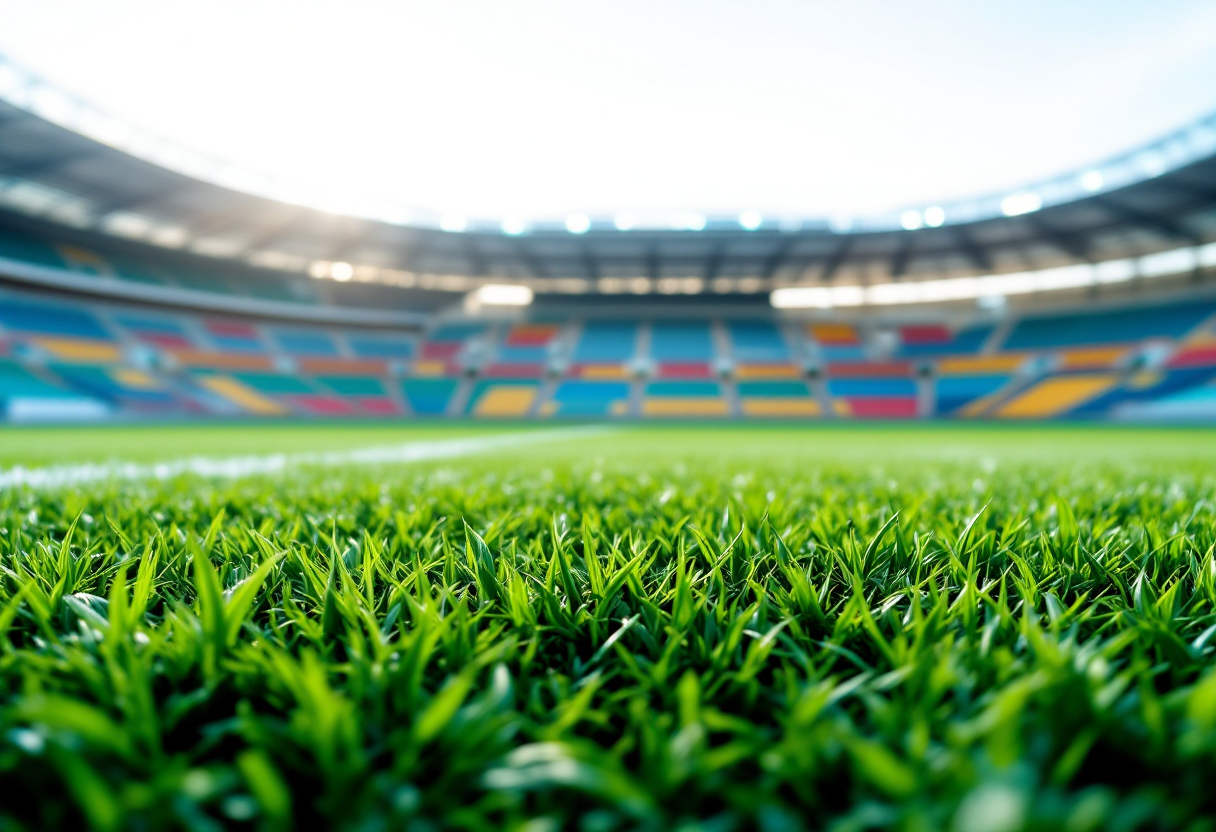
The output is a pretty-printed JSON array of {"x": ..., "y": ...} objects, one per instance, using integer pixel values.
[
  {"x": 682, "y": 349},
  {"x": 604, "y": 349},
  {"x": 777, "y": 398},
  {"x": 105, "y": 357},
  {"x": 100, "y": 359},
  {"x": 937, "y": 340},
  {"x": 873, "y": 389},
  {"x": 504, "y": 397},
  {"x": 684, "y": 398},
  {"x": 429, "y": 396},
  {"x": 581, "y": 397}
]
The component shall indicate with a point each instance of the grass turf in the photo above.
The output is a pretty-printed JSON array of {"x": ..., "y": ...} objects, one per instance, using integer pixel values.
[{"x": 911, "y": 628}]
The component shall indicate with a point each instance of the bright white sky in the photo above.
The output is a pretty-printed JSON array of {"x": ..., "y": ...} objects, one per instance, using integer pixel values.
[{"x": 542, "y": 108}]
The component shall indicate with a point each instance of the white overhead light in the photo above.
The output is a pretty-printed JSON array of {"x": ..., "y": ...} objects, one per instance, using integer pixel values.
[
  {"x": 840, "y": 224},
  {"x": 341, "y": 271},
  {"x": 817, "y": 297},
  {"x": 514, "y": 226},
  {"x": 693, "y": 222},
  {"x": 1092, "y": 180},
  {"x": 1153, "y": 163},
  {"x": 453, "y": 222},
  {"x": 751, "y": 220},
  {"x": 578, "y": 223},
  {"x": 911, "y": 220},
  {"x": 1024, "y": 203},
  {"x": 935, "y": 216},
  {"x": 503, "y": 294},
  {"x": 625, "y": 221}
]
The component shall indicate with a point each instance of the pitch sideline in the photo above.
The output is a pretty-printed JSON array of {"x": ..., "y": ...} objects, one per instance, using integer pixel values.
[{"x": 53, "y": 476}]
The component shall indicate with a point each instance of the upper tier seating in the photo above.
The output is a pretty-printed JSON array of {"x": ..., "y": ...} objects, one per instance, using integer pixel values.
[
  {"x": 760, "y": 351},
  {"x": 304, "y": 341},
  {"x": 155, "y": 330},
  {"x": 604, "y": 348},
  {"x": 924, "y": 341},
  {"x": 1109, "y": 327},
  {"x": 380, "y": 346},
  {"x": 682, "y": 349},
  {"x": 523, "y": 352},
  {"x": 50, "y": 319},
  {"x": 441, "y": 350},
  {"x": 234, "y": 336}
]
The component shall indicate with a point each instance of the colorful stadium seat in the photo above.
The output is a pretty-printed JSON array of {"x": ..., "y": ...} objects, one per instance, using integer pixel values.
[
  {"x": 777, "y": 398},
  {"x": 873, "y": 389},
  {"x": 1056, "y": 395},
  {"x": 684, "y": 398},
  {"x": 604, "y": 349},
  {"x": 429, "y": 396},
  {"x": 578, "y": 397},
  {"x": 929, "y": 341},
  {"x": 502, "y": 398},
  {"x": 1108, "y": 327}
]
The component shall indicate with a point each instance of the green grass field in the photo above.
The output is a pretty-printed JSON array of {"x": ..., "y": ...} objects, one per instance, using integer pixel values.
[{"x": 974, "y": 628}]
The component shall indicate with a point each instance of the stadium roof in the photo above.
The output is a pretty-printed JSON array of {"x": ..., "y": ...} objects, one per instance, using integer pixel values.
[{"x": 58, "y": 175}]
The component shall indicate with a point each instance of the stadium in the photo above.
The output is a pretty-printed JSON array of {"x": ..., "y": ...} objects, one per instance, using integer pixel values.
[{"x": 341, "y": 510}]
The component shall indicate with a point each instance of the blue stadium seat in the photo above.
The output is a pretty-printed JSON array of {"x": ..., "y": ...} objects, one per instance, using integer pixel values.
[
  {"x": 45, "y": 319},
  {"x": 681, "y": 341},
  {"x": 964, "y": 342},
  {"x": 304, "y": 342},
  {"x": 429, "y": 396},
  {"x": 366, "y": 346},
  {"x": 884, "y": 387},
  {"x": 606, "y": 342},
  {"x": 589, "y": 398},
  {"x": 1117, "y": 326},
  {"x": 954, "y": 392},
  {"x": 758, "y": 341}
]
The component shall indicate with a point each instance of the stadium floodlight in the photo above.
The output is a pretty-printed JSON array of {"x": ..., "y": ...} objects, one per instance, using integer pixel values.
[
  {"x": 817, "y": 297},
  {"x": 578, "y": 223},
  {"x": 693, "y": 222},
  {"x": 1092, "y": 180},
  {"x": 624, "y": 221},
  {"x": 751, "y": 220},
  {"x": 502, "y": 294},
  {"x": 935, "y": 216},
  {"x": 1152, "y": 163},
  {"x": 911, "y": 220},
  {"x": 840, "y": 224},
  {"x": 453, "y": 222},
  {"x": 1023, "y": 203},
  {"x": 514, "y": 226}
]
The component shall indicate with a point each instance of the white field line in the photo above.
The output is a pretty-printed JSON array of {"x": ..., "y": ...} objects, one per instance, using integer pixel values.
[{"x": 54, "y": 476}]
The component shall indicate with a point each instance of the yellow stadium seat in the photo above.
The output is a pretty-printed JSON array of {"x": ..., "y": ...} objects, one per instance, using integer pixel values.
[
  {"x": 73, "y": 349},
  {"x": 980, "y": 364},
  {"x": 506, "y": 400},
  {"x": 781, "y": 407},
  {"x": 684, "y": 406},
  {"x": 241, "y": 395},
  {"x": 1057, "y": 395}
]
